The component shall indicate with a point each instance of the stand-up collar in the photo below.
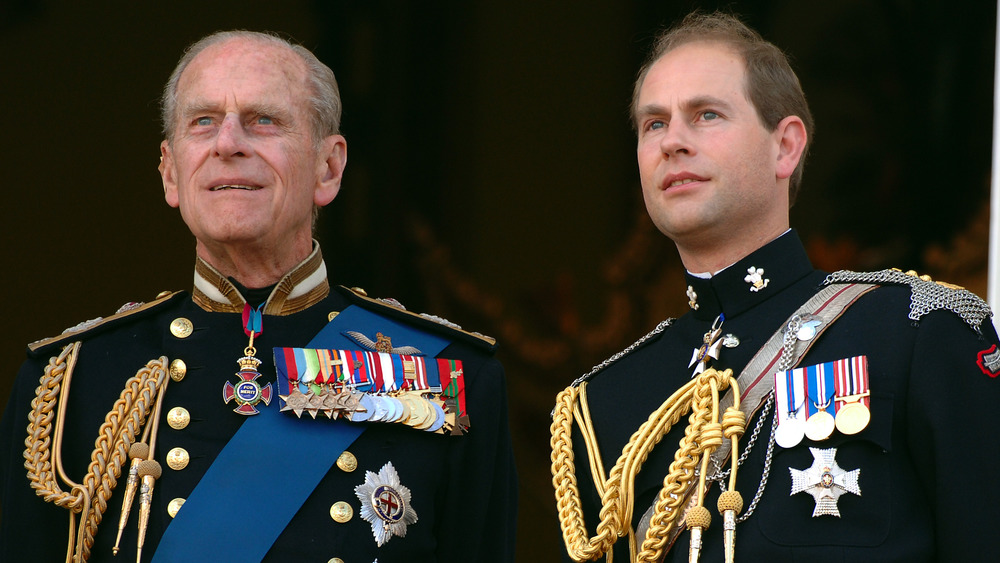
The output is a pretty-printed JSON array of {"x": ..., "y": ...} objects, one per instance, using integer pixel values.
[
  {"x": 304, "y": 286},
  {"x": 752, "y": 280}
]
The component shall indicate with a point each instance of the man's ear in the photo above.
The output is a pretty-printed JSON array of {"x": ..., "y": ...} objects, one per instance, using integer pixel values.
[
  {"x": 168, "y": 174},
  {"x": 332, "y": 160},
  {"x": 791, "y": 136}
]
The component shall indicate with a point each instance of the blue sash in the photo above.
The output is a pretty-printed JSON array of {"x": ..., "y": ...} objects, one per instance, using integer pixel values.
[{"x": 240, "y": 483}]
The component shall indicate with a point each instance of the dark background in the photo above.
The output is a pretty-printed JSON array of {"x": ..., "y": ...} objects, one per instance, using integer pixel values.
[{"x": 491, "y": 175}]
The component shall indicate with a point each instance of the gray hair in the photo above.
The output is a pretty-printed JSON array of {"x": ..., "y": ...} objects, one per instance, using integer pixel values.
[{"x": 324, "y": 100}]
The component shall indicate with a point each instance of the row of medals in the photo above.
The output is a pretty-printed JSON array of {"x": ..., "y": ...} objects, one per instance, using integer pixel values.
[
  {"x": 423, "y": 410},
  {"x": 851, "y": 418}
]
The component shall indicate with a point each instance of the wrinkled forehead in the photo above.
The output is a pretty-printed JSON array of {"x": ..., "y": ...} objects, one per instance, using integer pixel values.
[{"x": 244, "y": 65}]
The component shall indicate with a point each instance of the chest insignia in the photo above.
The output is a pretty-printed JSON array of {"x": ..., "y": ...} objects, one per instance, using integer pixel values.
[
  {"x": 825, "y": 481},
  {"x": 385, "y": 504}
]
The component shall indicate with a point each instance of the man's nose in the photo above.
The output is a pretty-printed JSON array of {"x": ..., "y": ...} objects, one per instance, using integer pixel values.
[
  {"x": 676, "y": 140},
  {"x": 232, "y": 140}
]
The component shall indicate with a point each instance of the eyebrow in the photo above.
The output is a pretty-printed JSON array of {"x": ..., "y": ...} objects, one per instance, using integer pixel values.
[
  {"x": 203, "y": 107},
  {"x": 692, "y": 104}
]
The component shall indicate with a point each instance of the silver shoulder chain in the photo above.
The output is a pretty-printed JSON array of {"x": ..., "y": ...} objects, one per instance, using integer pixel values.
[
  {"x": 925, "y": 295},
  {"x": 659, "y": 328}
]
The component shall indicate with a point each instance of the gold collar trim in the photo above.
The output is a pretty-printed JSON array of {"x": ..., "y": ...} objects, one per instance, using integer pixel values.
[{"x": 300, "y": 289}]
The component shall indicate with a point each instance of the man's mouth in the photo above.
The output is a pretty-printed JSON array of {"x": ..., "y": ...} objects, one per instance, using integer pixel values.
[
  {"x": 682, "y": 182},
  {"x": 234, "y": 187}
]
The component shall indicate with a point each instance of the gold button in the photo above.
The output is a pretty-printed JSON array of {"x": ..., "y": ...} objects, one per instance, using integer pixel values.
[
  {"x": 359, "y": 291},
  {"x": 178, "y": 459},
  {"x": 347, "y": 462},
  {"x": 178, "y": 418},
  {"x": 332, "y": 315},
  {"x": 174, "y": 506},
  {"x": 335, "y": 560},
  {"x": 341, "y": 512},
  {"x": 178, "y": 369},
  {"x": 163, "y": 294},
  {"x": 181, "y": 327}
]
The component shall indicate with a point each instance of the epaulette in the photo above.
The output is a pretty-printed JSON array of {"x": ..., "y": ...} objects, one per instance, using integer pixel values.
[
  {"x": 395, "y": 310},
  {"x": 926, "y": 295},
  {"x": 126, "y": 313}
]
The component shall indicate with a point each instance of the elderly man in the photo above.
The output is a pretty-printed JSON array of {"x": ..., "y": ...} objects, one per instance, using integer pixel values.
[
  {"x": 790, "y": 415},
  {"x": 261, "y": 417}
]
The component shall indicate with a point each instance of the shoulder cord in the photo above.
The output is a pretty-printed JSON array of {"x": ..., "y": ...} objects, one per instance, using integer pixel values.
[
  {"x": 704, "y": 434},
  {"x": 116, "y": 435}
]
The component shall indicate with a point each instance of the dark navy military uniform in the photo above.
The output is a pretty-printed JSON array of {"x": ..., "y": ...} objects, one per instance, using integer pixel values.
[
  {"x": 463, "y": 488},
  {"x": 925, "y": 458}
]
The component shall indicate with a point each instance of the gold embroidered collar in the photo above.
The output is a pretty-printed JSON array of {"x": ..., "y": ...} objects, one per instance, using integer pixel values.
[{"x": 300, "y": 289}]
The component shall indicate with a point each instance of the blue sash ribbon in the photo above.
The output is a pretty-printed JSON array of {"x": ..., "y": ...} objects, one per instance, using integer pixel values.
[{"x": 264, "y": 451}]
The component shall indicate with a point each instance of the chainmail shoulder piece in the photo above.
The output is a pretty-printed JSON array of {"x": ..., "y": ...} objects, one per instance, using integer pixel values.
[
  {"x": 926, "y": 295},
  {"x": 659, "y": 328}
]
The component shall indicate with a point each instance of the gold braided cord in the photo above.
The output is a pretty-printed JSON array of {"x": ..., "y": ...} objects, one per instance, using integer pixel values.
[
  {"x": 582, "y": 415},
  {"x": 38, "y": 443},
  {"x": 115, "y": 436},
  {"x": 700, "y": 398},
  {"x": 579, "y": 546},
  {"x": 703, "y": 436}
]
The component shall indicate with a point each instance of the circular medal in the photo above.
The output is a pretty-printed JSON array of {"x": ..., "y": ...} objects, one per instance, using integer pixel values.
[
  {"x": 381, "y": 410},
  {"x": 853, "y": 418},
  {"x": 440, "y": 417},
  {"x": 419, "y": 411},
  {"x": 395, "y": 409},
  {"x": 404, "y": 410},
  {"x": 366, "y": 403},
  {"x": 819, "y": 426},
  {"x": 789, "y": 433}
]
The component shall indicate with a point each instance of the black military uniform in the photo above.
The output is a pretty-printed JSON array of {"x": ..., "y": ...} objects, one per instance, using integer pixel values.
[
  {"x": 924, "y": 458},
  {"x": 463, "y": 488}
]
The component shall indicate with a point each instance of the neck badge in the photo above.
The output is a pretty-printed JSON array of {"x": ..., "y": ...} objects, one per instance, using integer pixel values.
[
  {"x": 385, "y": 504},
  {"x": 825, "y": 481},
  {"x": 247, "y": 392}
]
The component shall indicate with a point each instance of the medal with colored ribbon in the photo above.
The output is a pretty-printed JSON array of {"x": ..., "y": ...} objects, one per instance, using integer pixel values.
[
  {"x": 366, "y": 386},
  {"x": 819, "y": 395},
  {"x": 852, "y": 395},
  {"x": 788, "y": 389},
  {"x": 247, "y": 392}
]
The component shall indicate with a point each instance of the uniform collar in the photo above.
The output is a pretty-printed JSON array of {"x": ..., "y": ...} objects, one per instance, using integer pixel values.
[
  {"x": 302, "y": 287},
  {"x": 750, "y": 281}
]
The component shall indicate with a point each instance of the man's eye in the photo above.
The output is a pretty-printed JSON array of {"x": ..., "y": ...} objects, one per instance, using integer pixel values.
[
  {"x": 653, "y": 125},
  {"x": 203, "y": 121},
  {"x": 265, "y": 120},
  {"x": 709, "y": 115}
]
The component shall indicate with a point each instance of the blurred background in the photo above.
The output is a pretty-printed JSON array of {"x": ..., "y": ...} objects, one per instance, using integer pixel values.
[{"x": 491, "y": 177}]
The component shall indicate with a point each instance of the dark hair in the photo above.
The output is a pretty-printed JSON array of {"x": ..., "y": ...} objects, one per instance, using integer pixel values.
[{"x": 771, "y": 85}]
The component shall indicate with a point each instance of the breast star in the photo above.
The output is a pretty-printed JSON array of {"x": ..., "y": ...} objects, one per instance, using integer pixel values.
[{"x": 825, "y": 481}]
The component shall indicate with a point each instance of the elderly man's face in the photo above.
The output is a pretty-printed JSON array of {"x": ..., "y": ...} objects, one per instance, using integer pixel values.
[{"x": 243, "y": 165}]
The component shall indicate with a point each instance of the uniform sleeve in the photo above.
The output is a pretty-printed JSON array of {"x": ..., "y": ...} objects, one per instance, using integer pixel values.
[
  {"x": 482, "y": 507},
  {"x": 952, "y": 411}
]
